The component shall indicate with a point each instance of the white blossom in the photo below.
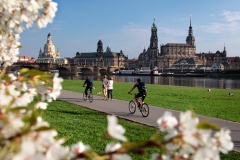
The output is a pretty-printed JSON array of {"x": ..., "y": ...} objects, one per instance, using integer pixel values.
[
  {"x": 7, "y": 98},
  {"x": 224, "y": 139},
  {"x": 114, "y": 129},
  {"x": 13, "y": 126},
  {"x": 206, "y": 154},
  {"x": 16, "y": 13},
  {"x": 41, "y": 105},
  {"x": 187, "y": 121},
  {"x": 79, "y": 148},
  {"x": 167, "y": 121},
  {"x": 111, "y": 147}
]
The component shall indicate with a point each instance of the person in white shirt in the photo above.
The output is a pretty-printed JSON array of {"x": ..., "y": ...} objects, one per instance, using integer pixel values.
[
  {"x": 104, "y": 87},
  {"x": 110, "y": 87}
]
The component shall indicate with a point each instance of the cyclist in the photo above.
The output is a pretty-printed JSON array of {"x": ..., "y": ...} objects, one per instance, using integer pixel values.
[
  {"x": 89, "y": 83},
  {"x": 142, "y": 91}
]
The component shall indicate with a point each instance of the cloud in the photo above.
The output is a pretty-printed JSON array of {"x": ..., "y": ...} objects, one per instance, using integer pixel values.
[
  {"x": 231, "y": 23},
  {"x": 231, "y": 16}
]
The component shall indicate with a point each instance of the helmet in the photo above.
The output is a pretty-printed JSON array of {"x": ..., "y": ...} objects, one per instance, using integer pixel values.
[{"x": 138, "y": 80}]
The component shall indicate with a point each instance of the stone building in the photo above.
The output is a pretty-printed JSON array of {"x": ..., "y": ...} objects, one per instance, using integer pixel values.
[
  {"x": 100, "y": 58},
  {"x": 213, "y": 60},
  {"x": 180, "y": 56},
  {"x": 26, "y": 59},
  {"x": 49, "y": 54},
  {"x": 177, "y": 56}
]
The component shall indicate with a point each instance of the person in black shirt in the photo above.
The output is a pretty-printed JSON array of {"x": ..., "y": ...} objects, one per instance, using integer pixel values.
[
  {"x": 142, "y": 91},
  {"x": 89, "y": 83}
]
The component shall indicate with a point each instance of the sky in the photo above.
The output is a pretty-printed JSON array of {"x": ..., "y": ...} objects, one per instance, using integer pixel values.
[{"x": 126, "y": 25}]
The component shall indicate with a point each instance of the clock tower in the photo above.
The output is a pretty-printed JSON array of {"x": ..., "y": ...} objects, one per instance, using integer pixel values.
[
  {"x": 154, "y": 38},
  {"x": 190, "y": 38}
]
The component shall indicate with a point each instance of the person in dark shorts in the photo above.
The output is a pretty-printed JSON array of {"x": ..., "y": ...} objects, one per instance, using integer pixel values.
[
  {"x": 142, "y": 91},
  {"x": 89, "y": 83}
]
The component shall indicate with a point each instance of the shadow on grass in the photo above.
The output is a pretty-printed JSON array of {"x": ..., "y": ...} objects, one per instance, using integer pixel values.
[{"x": 76, "y": 112}]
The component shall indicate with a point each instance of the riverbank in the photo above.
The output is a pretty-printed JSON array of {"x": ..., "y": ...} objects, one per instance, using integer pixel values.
[
  {"x": 188, "y": 74},
  {"x": 215, "y": 103}
]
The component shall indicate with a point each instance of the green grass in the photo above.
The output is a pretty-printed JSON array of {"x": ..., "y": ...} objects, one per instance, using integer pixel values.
[
  {"x": 216, "y": 103},
  {"x": 77, "y": 123},
  {"x": 89, "y": 126}
]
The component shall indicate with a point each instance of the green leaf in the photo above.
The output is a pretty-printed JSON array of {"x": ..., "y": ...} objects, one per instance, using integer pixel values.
[{"x": 207, "y": 125}]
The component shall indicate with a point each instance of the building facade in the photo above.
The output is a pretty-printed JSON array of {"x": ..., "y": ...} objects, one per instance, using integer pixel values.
[
  {"x": 182, "y": 56},
  {"x": 101, "y": 58}
]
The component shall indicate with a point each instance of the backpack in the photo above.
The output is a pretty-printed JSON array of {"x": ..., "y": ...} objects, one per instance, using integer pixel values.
[
  {"x": 141, "y": 87},
  {"x": 90, "y": 82}
]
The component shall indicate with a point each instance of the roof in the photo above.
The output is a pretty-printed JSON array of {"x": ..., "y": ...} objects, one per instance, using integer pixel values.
[
  {"x": 186, "y": 61},
  {"x": 95, "y": 54},
  {"x": 51, "y": 58},
  {"x": 176, "y": 44},
  {"x": 87, "y": 55}
]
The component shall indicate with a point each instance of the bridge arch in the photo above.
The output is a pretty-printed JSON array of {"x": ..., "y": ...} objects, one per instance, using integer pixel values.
[
  {"x": 87, "y": 71},
  {"x": 64, "y": 71},
  {"x": 103, "y": 71}
]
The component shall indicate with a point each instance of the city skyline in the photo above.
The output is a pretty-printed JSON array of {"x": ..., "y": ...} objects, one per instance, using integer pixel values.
[{"x": 126, "y": 25}]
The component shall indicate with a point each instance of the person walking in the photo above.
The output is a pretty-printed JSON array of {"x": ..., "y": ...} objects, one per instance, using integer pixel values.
[
  {"x": 110, "y": 88},
  {"x": 104, "y": 87},
  {"x": 89, "y": 83}
]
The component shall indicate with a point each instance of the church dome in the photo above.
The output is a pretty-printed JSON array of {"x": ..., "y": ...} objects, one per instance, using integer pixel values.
[{"x": 49, "y": 48}]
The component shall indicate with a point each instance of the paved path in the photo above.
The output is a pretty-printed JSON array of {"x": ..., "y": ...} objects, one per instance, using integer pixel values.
[{"x": 120, "y": 109}]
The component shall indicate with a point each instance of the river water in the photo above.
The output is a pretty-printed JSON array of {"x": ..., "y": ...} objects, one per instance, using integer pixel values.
[{"x": 222, "y": 83}]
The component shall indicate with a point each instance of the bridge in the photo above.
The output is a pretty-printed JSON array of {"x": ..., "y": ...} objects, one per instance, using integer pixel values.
[{"x": 65, "y": 69}]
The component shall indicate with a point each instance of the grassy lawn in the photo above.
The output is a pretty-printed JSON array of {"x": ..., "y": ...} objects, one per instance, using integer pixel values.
[
  {"x": 89, "y": 126},
  {"x": 216, "y": 103}
]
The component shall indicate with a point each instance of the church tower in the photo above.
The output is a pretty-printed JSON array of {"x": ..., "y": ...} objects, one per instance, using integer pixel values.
[
  {"x": 152, "y": 52},
  {"x": 190, "y": 38},
  {"x": 154, "y": 38},
  {"x": 100, "y": 49}
]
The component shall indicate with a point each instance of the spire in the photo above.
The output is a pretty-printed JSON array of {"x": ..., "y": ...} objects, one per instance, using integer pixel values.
[
  {"x": 190, "y": 28},
  {"x": 190, "y": 21},
  {"x": 154, "y": 38},
  {"x": 190, "y": 38},
  {"x": 154, "y": 24},
  {"x": 49, "y": 34},
  {"x": 49, "y": 38}
]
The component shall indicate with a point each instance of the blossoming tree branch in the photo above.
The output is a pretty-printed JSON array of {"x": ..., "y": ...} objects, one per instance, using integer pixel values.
[{"x": 24, "y": 135}]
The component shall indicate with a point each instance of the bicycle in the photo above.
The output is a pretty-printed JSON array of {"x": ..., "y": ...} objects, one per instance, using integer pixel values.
[
  {"x": 144, "y": 109},
  {"x": 89, "y": 95}
]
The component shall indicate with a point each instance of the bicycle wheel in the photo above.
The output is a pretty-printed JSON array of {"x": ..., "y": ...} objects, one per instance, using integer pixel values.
[
  {"x": 90, "y": 97},
  {"x": 144, "y": 110},
  {"x": 132, "y": 107},
  {"x": 84, "y": 96}
]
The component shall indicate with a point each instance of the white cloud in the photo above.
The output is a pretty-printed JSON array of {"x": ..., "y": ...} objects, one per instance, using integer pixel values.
[
  {"x": 231, "y": 16},
  {"x": 230, "y": 24}
]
